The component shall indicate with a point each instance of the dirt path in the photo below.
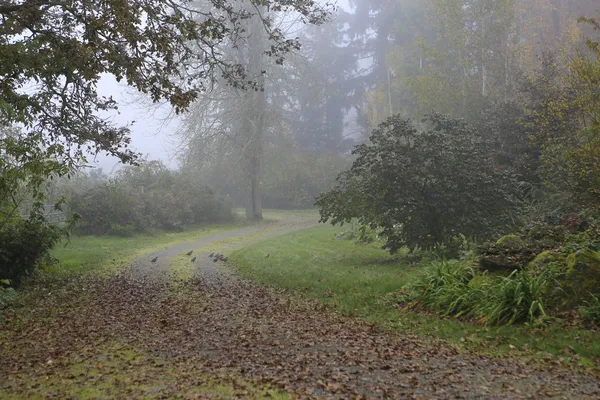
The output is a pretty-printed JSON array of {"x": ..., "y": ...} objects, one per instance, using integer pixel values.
[{"x": 146, "y": 333}]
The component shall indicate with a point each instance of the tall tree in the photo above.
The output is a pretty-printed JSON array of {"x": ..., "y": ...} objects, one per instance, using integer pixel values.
[
  {"x": 53, "y": 54},
  {"x": 227, "y": 127},
  {"x": 326, "y": 87}
]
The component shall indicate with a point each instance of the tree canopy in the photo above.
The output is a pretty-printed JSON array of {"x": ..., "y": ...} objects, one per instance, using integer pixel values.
[{"x": 54, "y": 52}]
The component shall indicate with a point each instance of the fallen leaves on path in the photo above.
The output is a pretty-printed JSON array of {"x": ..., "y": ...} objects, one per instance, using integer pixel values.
[{"x": 157, "y": 338}]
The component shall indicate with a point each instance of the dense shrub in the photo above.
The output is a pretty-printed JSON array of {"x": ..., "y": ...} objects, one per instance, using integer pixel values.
[
  {"x": 459, "y": 290},
  {"x": 7, "y": 296},
  {"x": 103, "y": 207},
  {"x": 147, "y": 197},
  {"x": 590, "y": 310},
  {"x": 360, "y": 234},
  {"x": 448, "y": 287},
  {"x": 538, "y": 244},
  {"x": 520, "y": 297},
  {"x": 23, "y": 244},
  {"x": 424, "y": 186}
]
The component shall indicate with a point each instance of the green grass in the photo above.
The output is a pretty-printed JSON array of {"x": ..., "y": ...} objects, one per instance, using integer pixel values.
[
  {"x": 357, "y": 279},
  {"x": 352, "y": 277},
  {"x": 87, "y": 253},
  {"x": 83, "y": 253}
]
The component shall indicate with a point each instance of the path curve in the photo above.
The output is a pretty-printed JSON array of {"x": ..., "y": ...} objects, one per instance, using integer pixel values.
[{"x": 219, "y": 325}]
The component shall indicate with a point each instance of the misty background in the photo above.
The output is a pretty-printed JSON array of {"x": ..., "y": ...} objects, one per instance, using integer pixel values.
[{"x": 154, "y": 131}]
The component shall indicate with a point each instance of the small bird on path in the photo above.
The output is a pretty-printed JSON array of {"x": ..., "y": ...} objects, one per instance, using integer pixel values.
[
  {"x": 194, "y": 259},
  {"x": 154, "y": 259},
  {"x": 211, "y": 255},
  {"x": 189, "y": 253},
  {"x": 268, "y": 255}
]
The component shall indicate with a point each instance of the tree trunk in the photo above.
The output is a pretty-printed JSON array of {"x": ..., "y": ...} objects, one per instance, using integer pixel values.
[
  {"x": 255, "y": 119},
  {"x": 254, "y": 196},
  {"x": 389, "y": 87},
  {"x": 254, "y": 154}
]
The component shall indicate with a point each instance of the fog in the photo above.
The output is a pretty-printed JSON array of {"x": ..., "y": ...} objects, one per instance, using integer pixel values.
[
  {"x": 369, "y": 61},
  {"x": 153, "y": 130},
  {"x": 286, "y": 199}
]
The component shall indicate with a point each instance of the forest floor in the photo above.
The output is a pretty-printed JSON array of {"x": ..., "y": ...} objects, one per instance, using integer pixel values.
[{"x": 194, "y": 330}]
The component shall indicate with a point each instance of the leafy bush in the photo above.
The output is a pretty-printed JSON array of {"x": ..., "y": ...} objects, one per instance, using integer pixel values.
[
  {"x": 122, "y": 230},
  {"x": 106, "y": 205},
  {"x": 590, "y": 311},
  {"x": 448, "y": 287},
  {"x": 23, "y": 244},
  {"x": 147, "y": 197},
  {"x": 534, "y": 244},
  {"x": 560, "y": 93},
  {"x": 7, "y": 296},
  {"x": 457, "y": 289},
  {"x": 520, "y": 297},
  {"x": 423, "y": 187},
  {"x": 358, "y": 233}
]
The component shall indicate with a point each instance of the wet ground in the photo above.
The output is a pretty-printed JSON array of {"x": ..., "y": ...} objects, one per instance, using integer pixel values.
[{"x": 177, "y": 329}]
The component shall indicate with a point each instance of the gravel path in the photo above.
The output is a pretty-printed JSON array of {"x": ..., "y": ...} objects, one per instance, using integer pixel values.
[{"x": 218, "y": 325}]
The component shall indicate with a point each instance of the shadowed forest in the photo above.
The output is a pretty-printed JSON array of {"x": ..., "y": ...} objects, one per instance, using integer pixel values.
[{"x": 361, "y": 199}]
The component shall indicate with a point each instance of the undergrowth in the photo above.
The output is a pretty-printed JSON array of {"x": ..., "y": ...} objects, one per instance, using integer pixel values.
[
  {"x": 365, "y": 281},
  {"x": 457, "y": 289}
]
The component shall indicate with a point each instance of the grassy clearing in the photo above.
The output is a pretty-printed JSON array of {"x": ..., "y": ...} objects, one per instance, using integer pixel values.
[
  {"x": 357, "y": 279},
  {"x": 104, "y": 253},
  {"x": 83, "y": 253}
]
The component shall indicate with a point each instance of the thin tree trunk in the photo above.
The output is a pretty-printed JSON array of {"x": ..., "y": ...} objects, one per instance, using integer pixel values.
[
  {"x": 463, "y": 83},
  {"x": 389, "y": 79},
  {"x": 256, "y": 108},
  {"x": 254, "y": 196}
]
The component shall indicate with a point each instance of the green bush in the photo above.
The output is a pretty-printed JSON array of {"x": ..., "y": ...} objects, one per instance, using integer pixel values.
[
  {"x": 590, "y": 311},
  {"x": 448, "y": 287},
  {"x": 7, "y": 296},
  {"x": 147, "y": 197},
  {"x": 520, "y": 297},
  {"x": 122, "y": 230},
  {"x": 582, "y": 276},
  {"x": 424, "y": 185},
  {"x": 106, "y": 205},
  {"x": 360, "y": 234},
  {"x": 23, "y": 244},
  {"x": 456, "y": 289}
]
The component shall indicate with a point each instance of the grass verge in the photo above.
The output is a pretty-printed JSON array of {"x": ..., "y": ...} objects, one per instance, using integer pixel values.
[
  {"x": 357, "y": 279},
  {"x": 84, "y": 253}
]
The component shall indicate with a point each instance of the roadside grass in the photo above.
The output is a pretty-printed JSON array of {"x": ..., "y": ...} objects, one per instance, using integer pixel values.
[
  {"x": 102, "y": 254},
  {"x": 85, "y": 253},
  {"x": 357, "y": 279}
]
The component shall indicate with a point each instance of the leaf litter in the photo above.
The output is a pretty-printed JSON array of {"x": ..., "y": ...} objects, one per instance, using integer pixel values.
[{"x": 147, "y": 333}]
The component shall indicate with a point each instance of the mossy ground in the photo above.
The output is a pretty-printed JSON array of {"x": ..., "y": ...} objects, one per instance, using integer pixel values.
[{"x": 115, "y": 370}]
